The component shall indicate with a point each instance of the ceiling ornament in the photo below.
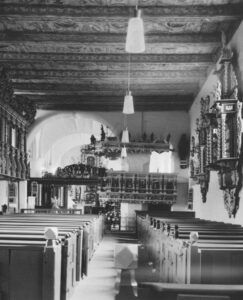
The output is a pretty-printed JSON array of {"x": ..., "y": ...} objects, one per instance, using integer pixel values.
[{"x": 175, "y": 27}]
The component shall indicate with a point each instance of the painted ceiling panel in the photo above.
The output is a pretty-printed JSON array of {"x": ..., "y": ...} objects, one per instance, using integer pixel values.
[{"x": 70, "y": 54}]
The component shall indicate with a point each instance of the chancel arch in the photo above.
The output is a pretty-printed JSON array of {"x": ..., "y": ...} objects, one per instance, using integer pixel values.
[{"x": 57, "y": 133}]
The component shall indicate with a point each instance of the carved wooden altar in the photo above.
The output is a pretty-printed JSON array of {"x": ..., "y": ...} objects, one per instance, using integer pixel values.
[{"x": 218, "y": 136}]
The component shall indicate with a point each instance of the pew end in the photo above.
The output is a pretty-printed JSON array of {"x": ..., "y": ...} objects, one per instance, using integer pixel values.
[{"x": 51, "y": 288}]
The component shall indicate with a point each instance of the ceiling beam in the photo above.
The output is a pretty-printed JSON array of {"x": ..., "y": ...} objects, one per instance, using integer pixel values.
[
  {"x": 106, "y": 48},
  {"x": 107, "y": 38},
  {"x": 117, "y": 75},
  {"x": 103, "y": 85},
  {"x": 115, "y": 24},
  {"x": 61, "y": 57},
  {"x": 111, "y": 103},
  {"x": 112, "y": 99},
  {"x": 109, "y": 8},
  {"x": 106, "y": 108},
  {"x": 115, "y": 3},
  {"x": 37, "y": 94},
  {"x": 26, "y": 65},
  {"x": 81, "y": 83}
]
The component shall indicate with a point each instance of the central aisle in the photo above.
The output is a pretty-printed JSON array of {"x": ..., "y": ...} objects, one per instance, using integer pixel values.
[{"x": 101, "y": 279}]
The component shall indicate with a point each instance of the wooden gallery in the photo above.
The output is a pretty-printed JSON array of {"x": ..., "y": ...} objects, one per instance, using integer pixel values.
[{"x": 121, "y": 151}]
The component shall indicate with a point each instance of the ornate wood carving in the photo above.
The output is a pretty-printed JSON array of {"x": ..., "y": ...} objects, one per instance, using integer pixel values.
[
  {"x": 142, "y": 188},
  {"x": 219, "y": 137},
  {"x": 15, "y": 115},
  {"x": 24, "y": 107},
  {"x": 21, "y": 106},
  {"x": 111, "y": 147},
  {"x": 78, "y": 171}
]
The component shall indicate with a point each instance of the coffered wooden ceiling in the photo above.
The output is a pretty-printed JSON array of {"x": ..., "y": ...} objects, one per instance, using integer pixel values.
[{"x": 69, "y": 54}]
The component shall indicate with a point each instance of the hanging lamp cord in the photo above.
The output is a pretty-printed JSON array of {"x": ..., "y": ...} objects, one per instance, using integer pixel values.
[
  {"x": 128, "y": 75},
  {"x": 124, "y": 122}
]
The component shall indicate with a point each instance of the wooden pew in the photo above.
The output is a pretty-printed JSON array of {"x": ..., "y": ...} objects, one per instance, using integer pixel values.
[
  {"x": 92, "y": 224},
  {"x": 64, "y": 233},
  {"x": 172, "y": 291},
  {"x": 30, "y": 270},
  {"x": 31, "y": 227},
  {"x": 177, "y": 261},
  {"x": 96, "y": 227},
  {"x": 68, "y": 257}
]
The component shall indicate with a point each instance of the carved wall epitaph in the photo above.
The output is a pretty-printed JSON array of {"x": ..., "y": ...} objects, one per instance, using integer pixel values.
[{"x": 218, "y": 136}]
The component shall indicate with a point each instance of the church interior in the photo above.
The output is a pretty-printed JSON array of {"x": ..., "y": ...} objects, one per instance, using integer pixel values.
[{"x": 121, "y": 154}]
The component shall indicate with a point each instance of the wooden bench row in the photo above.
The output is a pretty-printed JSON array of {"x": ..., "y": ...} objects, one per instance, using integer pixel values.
[
  {"x": 65, "y": 211},
  {"x": 215, "y": 258},
  {"x": 32, "y": 267},
  {"x": 172, "y": 291}
]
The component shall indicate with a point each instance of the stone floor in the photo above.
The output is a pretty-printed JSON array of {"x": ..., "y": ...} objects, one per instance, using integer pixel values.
[{"x": 102, "y": 282}]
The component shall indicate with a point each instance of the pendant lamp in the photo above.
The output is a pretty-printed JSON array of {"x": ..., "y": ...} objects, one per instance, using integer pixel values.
[
  {"x": 128, "y": 107},
  {"x": 125, "y": 136},
  {"x": 135, "y": 42},
  {"x": 123, "y": 152}
]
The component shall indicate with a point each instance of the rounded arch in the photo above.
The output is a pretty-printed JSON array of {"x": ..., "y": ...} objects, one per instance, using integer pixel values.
[
  {"x": 55, "y": 133},
  {"x": 52, "y": 119}
]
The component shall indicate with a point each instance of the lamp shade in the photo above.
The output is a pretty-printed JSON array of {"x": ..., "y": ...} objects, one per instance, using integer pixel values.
[
  {"x": 135, "y": 35},
  {"x": 123, "y": 152},
  {"x": 128, "y": 107},
  {"x": 125, "y": 136}
]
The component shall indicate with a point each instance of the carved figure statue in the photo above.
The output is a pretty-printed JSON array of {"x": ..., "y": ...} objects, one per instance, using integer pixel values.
[
  {"x": 92, "y": 139},
  {"x": 54, "y": 202},
  {"x": 102, "y": 135}
]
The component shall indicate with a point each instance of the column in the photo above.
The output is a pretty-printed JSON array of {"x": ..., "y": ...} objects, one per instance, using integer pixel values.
[{"x": 22, "y": 195}]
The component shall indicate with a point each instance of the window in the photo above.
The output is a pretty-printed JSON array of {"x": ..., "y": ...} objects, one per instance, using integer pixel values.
[{"x": 161, "y": 162}]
